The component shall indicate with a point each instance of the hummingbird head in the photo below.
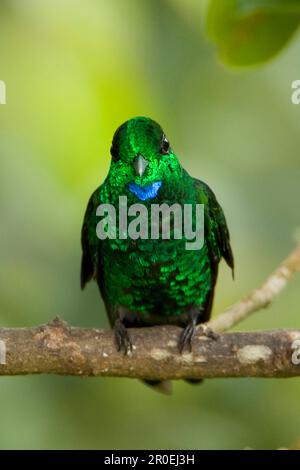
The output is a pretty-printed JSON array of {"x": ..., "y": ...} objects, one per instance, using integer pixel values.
[{"x": 142, "y": 158}]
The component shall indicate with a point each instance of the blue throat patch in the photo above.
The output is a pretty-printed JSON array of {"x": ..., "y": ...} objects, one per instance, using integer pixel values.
[{"x": 147, "y": 192}]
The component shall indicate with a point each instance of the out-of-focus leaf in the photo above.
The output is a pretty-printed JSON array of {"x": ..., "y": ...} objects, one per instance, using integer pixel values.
[{"x": 248, "y": 32}]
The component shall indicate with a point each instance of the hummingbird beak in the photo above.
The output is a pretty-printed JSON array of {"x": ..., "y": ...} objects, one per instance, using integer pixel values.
[{"x": 140, "y": 164}]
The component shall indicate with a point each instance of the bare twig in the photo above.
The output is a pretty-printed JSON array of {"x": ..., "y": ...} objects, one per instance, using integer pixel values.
[{"x": 260, "y": 298}]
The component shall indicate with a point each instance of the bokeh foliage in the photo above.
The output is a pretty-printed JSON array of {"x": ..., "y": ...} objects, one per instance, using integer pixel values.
[
  {"x": 74, "y": 71},
  {"x": 248, "y": 32}
]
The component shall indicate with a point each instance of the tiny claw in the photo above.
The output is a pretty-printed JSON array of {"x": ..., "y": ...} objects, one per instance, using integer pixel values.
[
  {"x": 122, "y": 338},
  {"x": 186, "y": 337}
]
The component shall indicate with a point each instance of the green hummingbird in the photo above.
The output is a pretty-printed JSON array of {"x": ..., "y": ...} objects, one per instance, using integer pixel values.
[{"x": 146, "y": 282}]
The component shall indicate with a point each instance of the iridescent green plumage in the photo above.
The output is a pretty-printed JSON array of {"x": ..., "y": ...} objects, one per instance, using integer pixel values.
[{"x": 150, "y": 282}]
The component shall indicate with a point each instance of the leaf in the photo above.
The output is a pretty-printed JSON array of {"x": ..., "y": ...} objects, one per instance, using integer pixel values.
[{"x": 248, "y": 32}]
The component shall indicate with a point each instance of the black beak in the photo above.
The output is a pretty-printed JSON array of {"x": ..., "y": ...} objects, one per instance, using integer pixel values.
[{"x": 140, "y": 164}]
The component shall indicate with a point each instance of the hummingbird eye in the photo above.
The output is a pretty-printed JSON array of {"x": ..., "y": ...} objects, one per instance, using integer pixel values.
[{"x": 165, "y": 146}]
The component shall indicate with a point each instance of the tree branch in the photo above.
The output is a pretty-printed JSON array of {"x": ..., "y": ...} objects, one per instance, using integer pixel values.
[{"x": 57, "y": 348}]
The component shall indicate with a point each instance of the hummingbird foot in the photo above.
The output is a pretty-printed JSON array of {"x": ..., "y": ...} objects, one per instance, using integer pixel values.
[
  {"x": 186, "y": 337},
  {"x": 122, "y": 338}
]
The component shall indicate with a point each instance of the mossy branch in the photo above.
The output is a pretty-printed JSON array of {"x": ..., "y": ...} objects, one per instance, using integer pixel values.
[{"x": 57, "y": 348}]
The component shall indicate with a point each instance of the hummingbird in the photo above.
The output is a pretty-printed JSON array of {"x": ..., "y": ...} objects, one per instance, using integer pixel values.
[{"x": 147, "y": 282}]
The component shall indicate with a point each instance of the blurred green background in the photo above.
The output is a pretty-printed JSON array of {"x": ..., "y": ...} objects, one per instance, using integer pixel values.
[{"x": 74, "y": 71}]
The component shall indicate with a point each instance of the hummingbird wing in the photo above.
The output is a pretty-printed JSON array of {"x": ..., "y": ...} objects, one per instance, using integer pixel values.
[
  {"x": 217, "y": 233},
  {"x": 89, "y": 241}
]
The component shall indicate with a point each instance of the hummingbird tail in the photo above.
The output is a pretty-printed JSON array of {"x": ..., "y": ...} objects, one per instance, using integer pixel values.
[
  {"x": 162, "y": 386},
  {"x": 194, "y": 381}
]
